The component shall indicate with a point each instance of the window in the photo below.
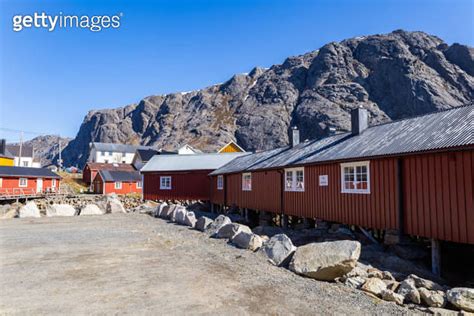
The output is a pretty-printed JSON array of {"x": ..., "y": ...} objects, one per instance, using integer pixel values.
[
  {"x": 25, "y": 163},
  {"x": 23, "y": 182},
  {"x": 294, "y": 179},
  {"x": 165, "y": 183},
  {"x": 53, "y": 183},
  {"x": 220, "y": 182},
  {"x": 355, "y": 177},
  {"x": 118, "y": 185},
  {"x": 247, "y": 182},
  {"x": 139, "y": 185},
  {"x": 1, "y": 182}
]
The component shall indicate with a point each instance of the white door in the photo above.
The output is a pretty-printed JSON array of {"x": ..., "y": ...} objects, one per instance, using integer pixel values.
[{"x": 39, "y": 185}]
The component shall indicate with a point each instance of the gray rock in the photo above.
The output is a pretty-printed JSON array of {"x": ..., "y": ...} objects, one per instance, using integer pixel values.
[
  {"x": 29, "y": 210},
  {"x": 190, "y": 219},
  {"x": 203, "y": 223},
  {"x": 115, "y": 206},
  {"x": 91, "y": 209},
  {"x": 427, "y": 284},
  {"x": 408, "y": 290},
  {"x": 230, "y": 230},
  {"x": 391, "y": 296},
  {"x": 160, "y": 209},
  {"x": 327, "y": 260},
  {"x": 393, "y": 75},
  {"x": 60, "y": 210},
  {"x": 462, "y": 298},
  {"x": 8, "y": 211},
  {"x": 432, "y": 298},
  {"x": 179, "y": 215},
  {"x": 167, "y": 210},
  {"x": 436, "y": 311},
  {"x": 246, "y": 240},
  {"x": 374, "y": 286},
  {"x": 220, "y": 221},
  {"x": 279, "y": 249},
  {"x": 354, "y": 282}
]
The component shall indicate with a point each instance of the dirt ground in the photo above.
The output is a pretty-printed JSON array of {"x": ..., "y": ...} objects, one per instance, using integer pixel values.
[{"x": 136, "y": 264}]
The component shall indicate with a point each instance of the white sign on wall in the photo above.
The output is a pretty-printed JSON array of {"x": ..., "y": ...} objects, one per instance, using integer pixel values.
[{"x": 323, "y": 180}]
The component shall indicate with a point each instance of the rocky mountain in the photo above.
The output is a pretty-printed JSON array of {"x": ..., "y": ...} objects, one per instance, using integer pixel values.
[
  {"x": 394, "y": 76},
  {"x": 46, "y": 147}
]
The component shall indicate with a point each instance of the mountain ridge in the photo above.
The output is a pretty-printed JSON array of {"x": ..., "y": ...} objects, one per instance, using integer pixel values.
[{"x": 393, "y": 76}]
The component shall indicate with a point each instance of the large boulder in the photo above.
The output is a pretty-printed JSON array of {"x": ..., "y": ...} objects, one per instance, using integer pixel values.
[
  {"x": 327, "y": 260},
  {"x": 114, "y": 206},
  {"x": 159, "y": 209},
  {"x": 391, "y": 296},
  {"x": 462, "y": 298},
  {"x": 427, "y": 284},
  {"x": 203, "y": 223},
  {"x": 279, "y": 249},
  {"x": 29, "y": 210},
  {"x": 60, "y": 210},
  {"x": 246, "y": 240},
  {"x": 220, "y": 221},
  {"x": 173, "y": 216},
  {"x": 230, "y": 230},
  {"x": 432, "y": 298},
  {"x": 180, "y": 214},
  {"x": 8, "y": 211},
  {"x": 91, "y": 209},
  {"x": 409, "y": 291},
  {"x": 190, "y": 219},
  {"x": 374, "y": 286},
  {"x": 167, "y": 210}
]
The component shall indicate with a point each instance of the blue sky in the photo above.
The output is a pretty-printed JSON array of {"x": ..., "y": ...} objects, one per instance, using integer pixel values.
[{"x": 49, "y": 80}]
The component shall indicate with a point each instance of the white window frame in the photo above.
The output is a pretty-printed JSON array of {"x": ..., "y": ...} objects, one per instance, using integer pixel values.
[
  {"x": 118, "y": 185},
  {"x": 293, "y": 187},
  {"x": 23, "y": 185},
  {"x": 220, "y": 182},
  {"x": 139, "y": 184},
  {"x": 25, "y": 163},
  {"x": 1, "y": 182},
  {"x": 53, "y": 183},
  {"x": 244, "y": 187},
  {"x": 355, "y": 165},
  {"x": 165, "y": 186}
]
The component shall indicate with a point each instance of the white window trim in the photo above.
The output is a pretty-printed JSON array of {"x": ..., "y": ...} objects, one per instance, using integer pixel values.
[
  {"x": 220, "y": 182},
  {"x": 25, "y": 185},
  {"x": 356, "y": 164},
  {"x": 243, "y": 182},
  {"x": 162, "y": 187},
  {"x": 1, "y": 182},
  {"x": 119, "y": 186},
  {"x": 293, "y": 180},
  {"x": 139, "y": 184}
]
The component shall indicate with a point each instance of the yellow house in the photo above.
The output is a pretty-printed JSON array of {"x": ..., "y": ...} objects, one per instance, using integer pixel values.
[
  {"x": 231, "y": 147},
  {"x": 7, "y": 161}
]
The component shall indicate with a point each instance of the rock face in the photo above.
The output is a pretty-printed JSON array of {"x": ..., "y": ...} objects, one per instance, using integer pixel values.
[
  {"x": 91, "y": 209},
  {"x": 60, "y": 210},
  {"x": 29, "y": 210},
  {"x": 230, "y": 230},
  {"x": 327, "y": 260},
  {"x": 279, "y": 249},
  {"x": 246, "y": 240},
  {"x": 46, "y": 147},
  {"x": 393, "y": 75},
  {"x": 462, "y": 298}
]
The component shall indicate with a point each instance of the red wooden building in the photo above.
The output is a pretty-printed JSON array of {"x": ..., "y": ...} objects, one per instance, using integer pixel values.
[
  {"x": 414, "y": 175},
  {"x": 92, "y": 168},
  {"x": 181, "y": 177},
  {"x": 18, "y": 181},
  {"x": 116, "y": 181}
]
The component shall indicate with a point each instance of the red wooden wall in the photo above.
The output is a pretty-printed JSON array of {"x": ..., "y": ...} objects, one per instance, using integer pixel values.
[
  {"x": 192, "y": 185},
  {"x": 378, "y": 209},
  {"x": 265, "y": 194},
  {"x": 10, "y": 183},
  {"x": 217, "y": 196},
  {"x": 438, "y": 191},
  {"x": 127, "y": 187}
]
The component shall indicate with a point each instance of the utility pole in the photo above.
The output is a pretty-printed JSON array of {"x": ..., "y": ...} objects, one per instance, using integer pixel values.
[
  {"x": 60, "y": 161},
  {"x": 21, "y": 148}
]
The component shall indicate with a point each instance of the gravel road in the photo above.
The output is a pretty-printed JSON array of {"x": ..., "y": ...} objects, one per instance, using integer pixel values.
[{"x": 136, "y": 264}]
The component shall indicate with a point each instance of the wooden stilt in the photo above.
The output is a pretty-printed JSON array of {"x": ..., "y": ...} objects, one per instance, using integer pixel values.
[{"x": 435, "y": 257}]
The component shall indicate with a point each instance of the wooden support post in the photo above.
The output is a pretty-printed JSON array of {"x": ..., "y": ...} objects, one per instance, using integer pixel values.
[
  {"x": 246, "y": 212},
  {"x": 212, "y": 207},
  {"x": 435, "y": 257},
  {"x": 284, "y": 221}
]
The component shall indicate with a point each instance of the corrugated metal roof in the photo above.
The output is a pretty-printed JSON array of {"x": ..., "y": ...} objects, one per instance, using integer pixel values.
[
  {"x": 189, "y": 162},
  {"x": 146, "y": 154},
  {"x": 124, "y": 176},
  {"x": 7, "y": 171},
  {"x": 124, "y": 148},
  {"x": 26, "y": 151},
  {"x": 444, "y": 129},
  {"x": 247, "y": 161},
  {"x": 110, "y": 166}
]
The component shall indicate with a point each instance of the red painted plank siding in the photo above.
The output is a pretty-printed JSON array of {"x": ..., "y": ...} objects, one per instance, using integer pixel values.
[
  {"x": 376, "y": 210},
  {"x": 265, "y": 193},
  {"x": 127, "y": 187},
  {"x": 217, "y": 196},
  {"x": 8, "y": 184},
  {"x": 439, "y": 195},
  {"x": 192, "y": 185},
  {"x": 87, "y": 175}
]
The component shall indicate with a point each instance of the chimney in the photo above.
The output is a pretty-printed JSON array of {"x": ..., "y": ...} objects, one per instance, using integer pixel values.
[
  {"x": 3, "y": 146},
  {"x": 359, "y": 120},
  {"x": 295, "y": 136}
]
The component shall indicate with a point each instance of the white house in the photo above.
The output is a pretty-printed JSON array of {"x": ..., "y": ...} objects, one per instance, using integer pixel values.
[
  {"x": 113, "y": 153},
  {"x": 188, "y": 150},
  {"x": 24, "y": 156}
]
